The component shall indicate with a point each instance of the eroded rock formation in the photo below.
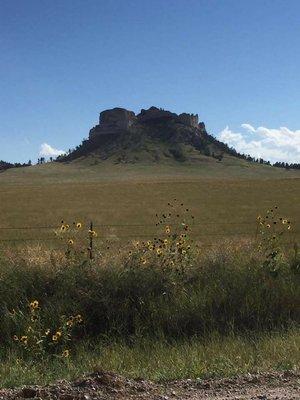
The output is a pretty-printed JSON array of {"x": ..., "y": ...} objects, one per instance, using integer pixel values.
[{"x": 119, "y": 120}]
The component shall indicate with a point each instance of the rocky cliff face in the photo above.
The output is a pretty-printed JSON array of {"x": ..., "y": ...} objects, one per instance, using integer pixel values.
[
  {"x": 120, "y": 120},
  {"x": 153, "y": 135},
  {"x": 113, "y": 121}
]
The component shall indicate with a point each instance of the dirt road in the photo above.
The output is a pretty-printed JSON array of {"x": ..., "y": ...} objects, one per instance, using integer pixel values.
[{"x": 105, "y": 386}]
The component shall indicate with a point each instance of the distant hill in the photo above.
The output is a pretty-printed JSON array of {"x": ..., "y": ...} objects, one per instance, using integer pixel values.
[{"x": 154, "y": 135}]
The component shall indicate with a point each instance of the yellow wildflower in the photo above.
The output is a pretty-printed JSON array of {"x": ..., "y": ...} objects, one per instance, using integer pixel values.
[
  {"x": 78, "y": 318},
  {"x": 24, "y": 339},
  {"x": 66, "y": 353},
  {"x": 34, "y": 304}
]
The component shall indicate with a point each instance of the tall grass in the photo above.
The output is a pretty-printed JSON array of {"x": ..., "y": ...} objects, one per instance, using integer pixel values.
[
  {"x": 222, "y": 289},
  {"x": 161, "y": 360}
]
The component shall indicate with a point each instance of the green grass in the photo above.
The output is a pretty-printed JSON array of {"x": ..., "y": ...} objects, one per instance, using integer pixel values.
[
  {"x": 223, "y": 289},
  {"x": 160, "y": 360}
]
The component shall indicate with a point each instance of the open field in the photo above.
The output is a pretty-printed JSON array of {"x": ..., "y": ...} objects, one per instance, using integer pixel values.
[
  {"x": 225, "y": 199},
  {"x": 216, "y": 310}
]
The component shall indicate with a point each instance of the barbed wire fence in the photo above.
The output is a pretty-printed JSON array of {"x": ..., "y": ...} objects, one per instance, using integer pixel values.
[{"x": 194, "y": 234}]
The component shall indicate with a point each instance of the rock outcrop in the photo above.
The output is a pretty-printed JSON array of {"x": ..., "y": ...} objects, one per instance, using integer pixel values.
[
  {"x": 113, "y": 121},
  {"x": 120, "y": 120},
  {"x": 153, "y": 135},
  {"x": 189, "y": 119},
  {"x": 155, "y": 114}
]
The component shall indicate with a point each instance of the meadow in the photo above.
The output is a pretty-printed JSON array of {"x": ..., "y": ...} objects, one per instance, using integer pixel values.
[
  {"x": 203, "y": 288},
  {"x": 122, "y": 200}
]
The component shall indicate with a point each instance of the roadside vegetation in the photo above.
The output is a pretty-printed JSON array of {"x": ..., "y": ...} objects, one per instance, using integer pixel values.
[{"x": 204, "y": 310}]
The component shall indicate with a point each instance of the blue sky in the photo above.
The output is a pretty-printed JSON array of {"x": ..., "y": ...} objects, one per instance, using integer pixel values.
[{"x": 232, "y": 62}]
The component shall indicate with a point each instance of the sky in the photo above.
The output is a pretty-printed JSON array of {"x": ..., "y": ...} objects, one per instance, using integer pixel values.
[{"x": 234, "y": 62}]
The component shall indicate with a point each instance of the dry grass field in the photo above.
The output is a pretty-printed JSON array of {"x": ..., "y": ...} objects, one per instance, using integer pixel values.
[{"x": 122, "y": 200}]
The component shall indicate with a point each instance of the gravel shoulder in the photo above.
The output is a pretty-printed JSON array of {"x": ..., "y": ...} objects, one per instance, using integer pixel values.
[{"x": 105, "y": 385}]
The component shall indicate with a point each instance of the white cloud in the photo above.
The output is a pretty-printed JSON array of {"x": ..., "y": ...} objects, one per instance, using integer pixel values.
[
  {"x": 48, "y": 151},
  {"x": 280, "y": 144},
  {"x": 248, "y": 127}
]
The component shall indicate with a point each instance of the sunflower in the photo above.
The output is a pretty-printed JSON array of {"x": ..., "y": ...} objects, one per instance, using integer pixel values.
[
  {"x": 24, "y": 339},
  {"x": 34, "y": 304},
  {"x": 65, "y": 353},
  {"x": 78, "y": 318},
  {"x": 33, "y": 318},
  {"x": 69, "y": 323}
]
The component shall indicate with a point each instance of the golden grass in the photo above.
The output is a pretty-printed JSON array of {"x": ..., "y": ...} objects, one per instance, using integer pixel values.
[{"x": 43, "y": 196}]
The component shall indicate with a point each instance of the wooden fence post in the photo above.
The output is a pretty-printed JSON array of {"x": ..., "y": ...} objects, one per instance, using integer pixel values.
[{"x": 91, "y": 241}]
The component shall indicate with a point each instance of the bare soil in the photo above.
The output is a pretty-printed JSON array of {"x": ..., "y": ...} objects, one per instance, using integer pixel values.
[{"x": 105, "y": 385}]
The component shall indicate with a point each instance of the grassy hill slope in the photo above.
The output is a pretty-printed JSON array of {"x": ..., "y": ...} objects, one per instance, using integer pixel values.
[{"x": 225, "y": 197}]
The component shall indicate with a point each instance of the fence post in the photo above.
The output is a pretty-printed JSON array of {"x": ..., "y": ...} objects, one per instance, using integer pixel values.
[{"x": 91, "y": 241}]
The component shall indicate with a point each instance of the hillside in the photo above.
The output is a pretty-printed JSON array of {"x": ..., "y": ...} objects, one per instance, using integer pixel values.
[{"x": 153, "y": 136}]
